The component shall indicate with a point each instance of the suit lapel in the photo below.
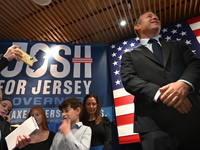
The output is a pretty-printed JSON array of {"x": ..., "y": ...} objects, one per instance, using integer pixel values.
[
  {"x": 166, "y": 49},
  {"x": 145, "y": 51}
]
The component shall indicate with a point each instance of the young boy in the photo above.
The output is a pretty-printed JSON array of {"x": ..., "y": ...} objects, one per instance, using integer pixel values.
[{"x": 73, "y": 135}]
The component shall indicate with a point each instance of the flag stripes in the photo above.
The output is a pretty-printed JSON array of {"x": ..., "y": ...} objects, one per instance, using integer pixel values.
[
  {"x": 81, "y": 60},
  {"x": 195, "y": 26},
  {"x": 125, "y": 119}
]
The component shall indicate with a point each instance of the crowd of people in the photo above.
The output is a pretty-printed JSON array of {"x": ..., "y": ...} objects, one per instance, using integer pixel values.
[
  {"x": 81, "y": 130},
  {"x": 72, "y": 134}
]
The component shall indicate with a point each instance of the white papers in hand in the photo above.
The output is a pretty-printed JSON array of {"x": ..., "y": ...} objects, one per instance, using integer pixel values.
[{"x": 26, "y": 128}]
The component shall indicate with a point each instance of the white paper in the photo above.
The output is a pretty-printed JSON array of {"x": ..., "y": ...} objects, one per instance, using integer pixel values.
[{"x": 26, "y": 128}]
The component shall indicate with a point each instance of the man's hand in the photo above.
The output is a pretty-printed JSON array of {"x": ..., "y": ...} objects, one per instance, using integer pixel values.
[
  {"x": 7, "y": 118},
  {"x": 185, "y": 107},
  {"x": 175, "y": 94},
  {"x": 13, "y": 53},
  {"x": 22, "y": 141}
]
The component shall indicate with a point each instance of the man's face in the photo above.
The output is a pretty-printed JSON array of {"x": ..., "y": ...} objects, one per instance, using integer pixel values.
[{"x": 149, "y": 22}]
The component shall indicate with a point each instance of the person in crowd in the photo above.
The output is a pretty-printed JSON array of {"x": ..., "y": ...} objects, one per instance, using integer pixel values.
[
  {"x": 11, "y": 53},
  {"x": 101, "y": 126},
  {"x": 43, "y": 137},
  {"x": 164, "y": 77},
  {"x": 6, "y": 101},
  {"x": 73, "y": 135},
  {"x": 5, "y": 108}
]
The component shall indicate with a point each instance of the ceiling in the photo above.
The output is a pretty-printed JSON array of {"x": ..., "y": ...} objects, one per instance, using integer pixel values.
[{"x": 85, "y": 21}]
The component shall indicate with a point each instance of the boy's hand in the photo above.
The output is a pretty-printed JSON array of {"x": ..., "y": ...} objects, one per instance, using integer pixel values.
[{"x": 65, "y": 126}]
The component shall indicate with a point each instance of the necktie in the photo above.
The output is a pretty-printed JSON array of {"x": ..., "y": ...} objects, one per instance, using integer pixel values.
[{"x": 157, "y": 50}]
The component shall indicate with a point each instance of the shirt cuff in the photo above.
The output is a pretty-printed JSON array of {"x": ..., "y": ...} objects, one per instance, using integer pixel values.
[
  {"x": 192, "y": 89},
  {"x": 156, "y": 96}
]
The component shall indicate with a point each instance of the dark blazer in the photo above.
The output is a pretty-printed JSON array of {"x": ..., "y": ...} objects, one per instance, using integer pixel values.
[
  {"x": 3, "y": 62},
  {"x": 142, "y": 75},
  {"x": 5, "y": 130}
]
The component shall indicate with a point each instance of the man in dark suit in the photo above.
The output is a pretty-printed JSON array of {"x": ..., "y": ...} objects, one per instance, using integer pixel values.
[
  {"x": 22, "y": 140},
  {"x": 4, "y": 129},
  {"x": 167, "y": 102}
]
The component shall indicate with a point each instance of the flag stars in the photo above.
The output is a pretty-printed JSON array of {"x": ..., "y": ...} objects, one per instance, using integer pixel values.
[
  {"x": 164, "y": 30},
  {"x": 178, "y": 39},
  {"x": 132, "y": 44},
  {"x": 119, "y": 48},
  {"x": 120, "y": 57},
  {"x": 188, "y": 42},
  {"x": 125, "y": 42},
  {"x": 126, "y": 50},
  {"x": 183, "y": 33},
  {"x": 137, "y": 38},
  {"x": 112, "y": 46},
  {"x": 168, "y": 38},
  {"x": 114, "y": 54},
  {"x": 117, "y": 82},
  {"x": 115, "y": 63},
  {"x": 194, "y": 51},
  {"x": 174, "y": 31},
  {"x": 178, "y": 25},
  {"x": 116, "y": 72}
]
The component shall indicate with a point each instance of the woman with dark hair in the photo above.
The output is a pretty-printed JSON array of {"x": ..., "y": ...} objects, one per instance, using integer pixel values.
[
  {"x": 101, "y": 127},
  {"x": 42, "y": 138}
]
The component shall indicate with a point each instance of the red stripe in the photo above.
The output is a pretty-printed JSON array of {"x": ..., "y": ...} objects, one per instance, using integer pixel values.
[
  {"x": 193, "y": 20},
  {"x": 124, "y": 100},
  {"x": 129, "y": 139},
  {"x": 197, "y": 32},
  {"x": 81, "y": 60},
  {"x": 125, "y": 119}
]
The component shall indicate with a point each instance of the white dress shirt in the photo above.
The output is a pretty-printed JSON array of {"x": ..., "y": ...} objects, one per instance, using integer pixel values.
[{"x": 78, "y": 139}]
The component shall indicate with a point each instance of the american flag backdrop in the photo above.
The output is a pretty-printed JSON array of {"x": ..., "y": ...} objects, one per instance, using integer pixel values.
[{"x": 188, "y": 31}]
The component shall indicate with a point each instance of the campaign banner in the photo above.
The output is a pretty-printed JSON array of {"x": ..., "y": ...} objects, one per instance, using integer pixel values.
[{"x": 59, "y": 71}]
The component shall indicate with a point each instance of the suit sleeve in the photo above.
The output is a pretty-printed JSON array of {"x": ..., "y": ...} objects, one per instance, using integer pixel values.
[
  {"x": 192, "y": 63},
  {"x": 3, "y": 62}
]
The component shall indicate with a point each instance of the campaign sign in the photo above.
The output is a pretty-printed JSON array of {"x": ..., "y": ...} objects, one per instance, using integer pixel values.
[{"x": 59, "y": 71}]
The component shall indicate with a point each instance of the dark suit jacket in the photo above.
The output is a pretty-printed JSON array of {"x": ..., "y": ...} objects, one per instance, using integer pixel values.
[
  {"x": 5, "y": 130},
  {"x": 3, "y": 62},
  {"x": 142, "y": 75}
]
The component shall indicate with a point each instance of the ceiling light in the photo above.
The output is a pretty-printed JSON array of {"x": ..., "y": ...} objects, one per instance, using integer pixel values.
[
  {"x": 42, "y": 2},
  {"x": 123, "y": 23}
]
